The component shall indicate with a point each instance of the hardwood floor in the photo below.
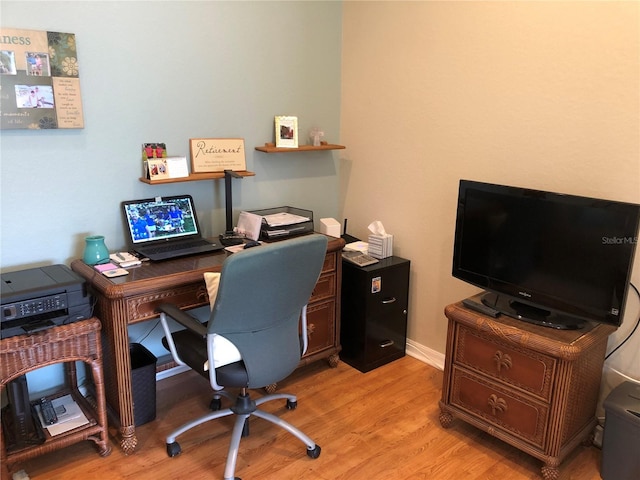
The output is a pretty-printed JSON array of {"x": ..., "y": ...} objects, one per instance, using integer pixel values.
[{"x": 374, "y": 426}]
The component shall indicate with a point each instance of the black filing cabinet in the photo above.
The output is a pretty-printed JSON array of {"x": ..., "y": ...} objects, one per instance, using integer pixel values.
[{"x": 375, "y": 300}]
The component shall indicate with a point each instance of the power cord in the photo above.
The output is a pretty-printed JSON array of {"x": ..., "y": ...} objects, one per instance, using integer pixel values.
[{"x": 632, "y": 331}]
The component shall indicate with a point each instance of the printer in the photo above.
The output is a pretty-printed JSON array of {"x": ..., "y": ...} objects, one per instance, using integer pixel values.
[{"x": 39, "y": 298}]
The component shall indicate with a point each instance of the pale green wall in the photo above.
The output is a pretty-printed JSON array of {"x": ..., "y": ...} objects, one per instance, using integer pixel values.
[{"x": 170, "y": 71}]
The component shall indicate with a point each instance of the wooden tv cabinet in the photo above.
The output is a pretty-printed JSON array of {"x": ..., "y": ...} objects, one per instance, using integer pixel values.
[{"x": 533, "y": 387}]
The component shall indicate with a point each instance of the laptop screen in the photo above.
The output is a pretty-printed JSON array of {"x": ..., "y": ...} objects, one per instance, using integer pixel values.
[{"x": 160, "y": 219}]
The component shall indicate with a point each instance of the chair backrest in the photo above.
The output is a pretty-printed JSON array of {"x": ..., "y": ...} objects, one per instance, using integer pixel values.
[{"x": 261, "y": 293}]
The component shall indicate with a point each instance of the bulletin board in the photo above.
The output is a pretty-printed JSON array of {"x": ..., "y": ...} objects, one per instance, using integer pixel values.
[{"x": 39, "y": 80}]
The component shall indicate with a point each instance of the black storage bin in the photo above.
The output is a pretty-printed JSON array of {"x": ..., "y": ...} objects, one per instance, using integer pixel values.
[
  {"x": 620, "y": 456},
  {"x": 143, "y": 384}
]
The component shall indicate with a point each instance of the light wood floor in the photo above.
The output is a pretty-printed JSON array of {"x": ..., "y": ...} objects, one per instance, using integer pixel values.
[{"x": 379, "y": 425}]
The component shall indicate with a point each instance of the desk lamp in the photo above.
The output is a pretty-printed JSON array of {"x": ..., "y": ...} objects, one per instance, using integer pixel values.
[{"x": 229, "y": 237}]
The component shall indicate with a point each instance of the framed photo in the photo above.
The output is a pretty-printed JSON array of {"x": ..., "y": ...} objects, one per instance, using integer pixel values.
[
  {"x": 286, "y": 131},
  {"x": 157, "y": 169},
  {"x": 217, "y": 154}
]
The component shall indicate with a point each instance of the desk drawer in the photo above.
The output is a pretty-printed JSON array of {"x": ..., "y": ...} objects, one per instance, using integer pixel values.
[
  {"x": 501, "y": 407},
  {"x": 143, "y": 307},
  {"x": 525, "y": 369},
  {"x": 324, "y": 289},
  {"x": 321, "y": 326}
]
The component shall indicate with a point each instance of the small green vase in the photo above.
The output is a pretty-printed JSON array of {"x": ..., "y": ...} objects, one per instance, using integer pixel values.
[{"x": 95, "y": 251}]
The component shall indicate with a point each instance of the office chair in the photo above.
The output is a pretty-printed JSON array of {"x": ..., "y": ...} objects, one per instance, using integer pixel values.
[{"x": 254, "y": 323}]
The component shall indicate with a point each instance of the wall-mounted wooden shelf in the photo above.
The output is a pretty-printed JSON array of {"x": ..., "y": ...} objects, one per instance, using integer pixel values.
[
  {"x": 271, "y": 148},
  {"x": 194, "y": 177}
]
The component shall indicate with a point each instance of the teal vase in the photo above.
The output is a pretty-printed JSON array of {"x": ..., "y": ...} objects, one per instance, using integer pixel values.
[{"x": 95, "y": 251}]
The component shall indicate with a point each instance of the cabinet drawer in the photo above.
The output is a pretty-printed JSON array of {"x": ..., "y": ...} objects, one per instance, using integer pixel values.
[
  {"x": 325, "y": 288},
  {"x": 501, "y": 407},
  {"x": 525, "y": 369},
  {"x": 330, "y": 262},
  {"x": 143, "y": 307},
  {"x": 321, "y": 326}
]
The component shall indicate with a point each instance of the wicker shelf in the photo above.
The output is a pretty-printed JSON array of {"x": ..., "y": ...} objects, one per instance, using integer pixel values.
[
  {"x": 66, "y": 344},
  {"x": 271, "y": 148},
  {"x": 195, "y": 177}
]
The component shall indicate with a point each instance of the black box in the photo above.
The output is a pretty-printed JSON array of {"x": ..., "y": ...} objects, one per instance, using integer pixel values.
[
  {"x": 620, "y": 456},
  {"x": 143, "y": 384}
]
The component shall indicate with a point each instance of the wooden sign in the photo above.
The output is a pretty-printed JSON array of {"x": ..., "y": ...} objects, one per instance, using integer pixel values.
[{"x": 217, "y": 154}]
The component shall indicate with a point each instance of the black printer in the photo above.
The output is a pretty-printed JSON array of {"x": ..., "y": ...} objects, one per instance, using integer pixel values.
[{"x": 40, "y": 298}]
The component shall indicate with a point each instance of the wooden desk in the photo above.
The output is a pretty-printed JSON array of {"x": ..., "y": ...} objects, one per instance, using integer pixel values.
[{"x": 123, "y": 301}]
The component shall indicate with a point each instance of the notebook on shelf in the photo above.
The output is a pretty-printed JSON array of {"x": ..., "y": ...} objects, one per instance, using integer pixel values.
[{"x": 165, "y": 227}]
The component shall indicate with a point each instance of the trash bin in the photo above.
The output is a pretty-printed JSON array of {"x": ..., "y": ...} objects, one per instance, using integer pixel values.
[
  {"x": 620, "y": 458},
  {"x": 143, "y": 384}
]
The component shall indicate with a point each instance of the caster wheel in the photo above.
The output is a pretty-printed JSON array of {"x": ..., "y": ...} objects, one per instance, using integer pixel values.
[
  {"x": 215, "y": 404},
  {"x": 314, "y": 452},
  {"x": 173, "y": 449},
  {"x": 292, "y": 405}
]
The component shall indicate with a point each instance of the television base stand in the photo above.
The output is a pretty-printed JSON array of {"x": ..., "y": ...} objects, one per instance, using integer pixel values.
[{"x": 528, "y": 313}]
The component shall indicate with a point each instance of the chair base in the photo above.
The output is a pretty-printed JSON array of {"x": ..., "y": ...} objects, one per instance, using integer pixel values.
[{"x": 243, "y": 408}]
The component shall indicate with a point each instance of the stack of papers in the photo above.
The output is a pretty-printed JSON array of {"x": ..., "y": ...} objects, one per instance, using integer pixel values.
[{"x": 282, "y": 219}]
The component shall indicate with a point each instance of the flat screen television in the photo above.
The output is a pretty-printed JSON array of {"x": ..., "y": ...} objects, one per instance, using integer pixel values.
[{"x": 548, "y": 258}]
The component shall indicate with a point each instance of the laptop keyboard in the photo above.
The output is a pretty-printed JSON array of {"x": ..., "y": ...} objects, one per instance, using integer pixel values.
[{"x": 175, "y": 247}]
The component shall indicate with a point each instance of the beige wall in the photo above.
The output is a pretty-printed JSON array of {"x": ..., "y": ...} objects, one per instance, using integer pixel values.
[{"x": 534, "y": 94}]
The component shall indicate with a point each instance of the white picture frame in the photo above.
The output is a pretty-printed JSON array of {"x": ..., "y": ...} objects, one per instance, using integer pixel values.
[{"x": 286, "y": 131}]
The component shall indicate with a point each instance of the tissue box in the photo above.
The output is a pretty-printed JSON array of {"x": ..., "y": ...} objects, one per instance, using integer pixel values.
[
  {"x": 330, "y": 226},
  {"x": 381, "y": 246}
]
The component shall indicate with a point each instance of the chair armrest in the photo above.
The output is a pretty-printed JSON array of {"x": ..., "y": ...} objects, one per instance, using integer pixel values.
[{"x": 188, "y": 321}]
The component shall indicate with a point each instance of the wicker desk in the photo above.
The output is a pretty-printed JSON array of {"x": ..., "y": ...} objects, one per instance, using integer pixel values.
[
  {"x": 533, "y": 387},
  {"x": 133, "y": 298},
  {"x": 78, "y": 341}
]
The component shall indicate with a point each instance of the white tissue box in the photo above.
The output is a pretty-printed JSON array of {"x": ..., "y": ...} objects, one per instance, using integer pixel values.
[{"x": 381, "y": 246}]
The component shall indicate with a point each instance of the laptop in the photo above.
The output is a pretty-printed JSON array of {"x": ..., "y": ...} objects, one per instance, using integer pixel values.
[{"x": 165, "y": 227}]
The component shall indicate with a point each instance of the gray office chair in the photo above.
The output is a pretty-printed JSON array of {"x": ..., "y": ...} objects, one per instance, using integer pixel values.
[{"x": 261, "y": 298}]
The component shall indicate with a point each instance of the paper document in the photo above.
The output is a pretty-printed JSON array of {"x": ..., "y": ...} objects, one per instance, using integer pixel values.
[
  {"x": 284, "y": 218},
  {"x": 249, "y": 225}
]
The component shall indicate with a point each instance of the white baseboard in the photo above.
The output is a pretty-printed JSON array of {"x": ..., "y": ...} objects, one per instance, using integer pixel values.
[{"x": 425, "y": 354}]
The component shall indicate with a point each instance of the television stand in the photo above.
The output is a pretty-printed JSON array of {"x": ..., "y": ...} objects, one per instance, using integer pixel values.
[
  {"x": 532, "y": 387},
  {"x": 529, "y": 313}
]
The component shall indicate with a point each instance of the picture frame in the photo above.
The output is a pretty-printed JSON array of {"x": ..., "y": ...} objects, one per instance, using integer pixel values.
[
  {"x": 157, "y": 169},
  {"x": 217, "y": 154},
  {"x": 286, "y": 130}
]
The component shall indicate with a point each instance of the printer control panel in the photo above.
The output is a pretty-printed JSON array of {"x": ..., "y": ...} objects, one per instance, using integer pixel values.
[{"x": 36, "y": 306}]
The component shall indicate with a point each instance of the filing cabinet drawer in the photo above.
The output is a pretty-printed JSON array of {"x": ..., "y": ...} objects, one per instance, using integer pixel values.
[
  {"x": 522, "y": 368},
  {"x": 504, "y": 408}
]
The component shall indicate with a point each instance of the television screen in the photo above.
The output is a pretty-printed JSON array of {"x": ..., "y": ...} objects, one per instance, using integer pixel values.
[{"x": 553, "y": 259}]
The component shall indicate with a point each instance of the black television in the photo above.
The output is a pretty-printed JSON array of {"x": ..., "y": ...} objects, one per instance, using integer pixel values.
[{"x": 552, "y": 259}]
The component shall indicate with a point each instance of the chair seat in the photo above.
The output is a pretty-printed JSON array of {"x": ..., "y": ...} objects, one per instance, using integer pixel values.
[{"x": 193, "y": 351}]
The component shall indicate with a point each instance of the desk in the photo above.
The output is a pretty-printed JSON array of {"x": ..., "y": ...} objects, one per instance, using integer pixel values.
[{"x": 133, "y": 298}]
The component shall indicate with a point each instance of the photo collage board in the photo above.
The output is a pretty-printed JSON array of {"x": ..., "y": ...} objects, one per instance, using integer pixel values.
[{"x": 39, "y": 80}]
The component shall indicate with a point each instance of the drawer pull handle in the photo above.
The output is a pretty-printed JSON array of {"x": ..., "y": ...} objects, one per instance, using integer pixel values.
[
  {"x": 497, "y": 404},
  {"x": 503, "y": 360},
  {"x": 386, "y": 343},
  {"x": 389, "y": 300}
]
